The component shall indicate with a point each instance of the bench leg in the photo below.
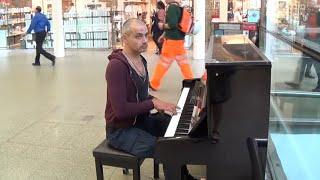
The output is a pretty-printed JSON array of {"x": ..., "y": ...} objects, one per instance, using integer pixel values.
[
  {"x": 136, "y": 172},
  {"x": 99, "y": 170},
  {"x": 155, "y": 169}
]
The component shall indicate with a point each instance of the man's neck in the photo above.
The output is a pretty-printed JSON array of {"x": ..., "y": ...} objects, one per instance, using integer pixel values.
[{"x": 132, "y": 55}]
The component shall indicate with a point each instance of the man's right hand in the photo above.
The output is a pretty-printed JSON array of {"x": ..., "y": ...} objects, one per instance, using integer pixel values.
[{"x": 162, "y": 106}]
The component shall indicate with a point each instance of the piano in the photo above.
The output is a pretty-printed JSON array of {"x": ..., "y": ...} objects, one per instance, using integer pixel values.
[{"x": 217, "y": 116}]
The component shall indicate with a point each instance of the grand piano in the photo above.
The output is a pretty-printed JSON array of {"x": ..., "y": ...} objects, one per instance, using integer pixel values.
[{"x": 217, "y": 116}]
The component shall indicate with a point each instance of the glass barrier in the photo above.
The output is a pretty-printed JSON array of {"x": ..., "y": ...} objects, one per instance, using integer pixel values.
[
  {"x": 294, "y": 139},
  {"x": 298, "y": 20}
]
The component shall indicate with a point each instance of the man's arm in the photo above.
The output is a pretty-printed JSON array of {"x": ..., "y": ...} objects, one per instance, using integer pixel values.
[
  {"x": 33, "y": 24},
  {"x": 116, "y": 76},
  {"x": 48, "y": 25}
]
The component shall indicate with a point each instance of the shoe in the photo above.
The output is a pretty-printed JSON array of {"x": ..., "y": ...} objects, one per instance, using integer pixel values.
[
  {"x": 54, "y": 61},
  {"x": 153, "y": 89},
  {"x": 293, "y": 85},
  {"x": 308, "y": 75},
  {"x": 317, "y": 89},
  {"x": 35, "y": 64}
]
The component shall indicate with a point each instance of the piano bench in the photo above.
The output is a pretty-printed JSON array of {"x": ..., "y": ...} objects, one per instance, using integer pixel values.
[{"x": 106, "y": 155}]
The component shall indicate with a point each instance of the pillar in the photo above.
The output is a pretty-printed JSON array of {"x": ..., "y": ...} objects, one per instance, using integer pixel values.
[
  {"x": 199, "y": 48},
  {"x": 57, "y": 29}
]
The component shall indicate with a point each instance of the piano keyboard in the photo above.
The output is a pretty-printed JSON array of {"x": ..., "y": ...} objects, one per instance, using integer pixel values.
[{"x": 171, "y": 130}]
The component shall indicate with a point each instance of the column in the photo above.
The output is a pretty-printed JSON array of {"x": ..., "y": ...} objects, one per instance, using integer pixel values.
[
  {"x": 199, "y": 48},
  {"x": 224, "y": 10},
  {"x": 57, "y": 29}
]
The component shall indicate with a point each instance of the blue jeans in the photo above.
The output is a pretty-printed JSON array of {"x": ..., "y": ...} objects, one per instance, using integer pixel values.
[{"x": 140, "y": 139}]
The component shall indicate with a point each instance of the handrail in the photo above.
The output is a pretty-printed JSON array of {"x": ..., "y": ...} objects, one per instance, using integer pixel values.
[
  {"x": 302, "y": 94},
  {"x": 312, "y": 53}
]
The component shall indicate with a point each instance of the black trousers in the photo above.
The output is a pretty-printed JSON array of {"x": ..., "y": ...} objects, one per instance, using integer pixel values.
[
  {"x": 305, "y": 68},
  {"x": 317, "y": 67},
  {"x": 40, "y": 37},
  {"x": 155, "y": 38}
]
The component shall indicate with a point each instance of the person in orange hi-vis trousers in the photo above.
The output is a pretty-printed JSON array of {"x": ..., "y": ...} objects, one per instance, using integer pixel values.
[{"x": 173, "y": 47}]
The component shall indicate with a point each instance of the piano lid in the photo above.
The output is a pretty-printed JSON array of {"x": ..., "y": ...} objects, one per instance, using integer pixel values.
[{"x": 233, "y": 50}]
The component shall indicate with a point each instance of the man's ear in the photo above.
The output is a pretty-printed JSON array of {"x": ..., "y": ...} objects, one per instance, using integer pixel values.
[{"x": 124, "y": 38}]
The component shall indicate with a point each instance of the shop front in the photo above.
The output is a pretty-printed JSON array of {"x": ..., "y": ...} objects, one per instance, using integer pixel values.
[
  {"x": 86, "y": 24},
  {"x": 236, "y": 17}
]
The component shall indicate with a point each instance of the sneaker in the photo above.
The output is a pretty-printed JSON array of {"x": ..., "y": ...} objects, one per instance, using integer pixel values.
[
  {"x": 317, "y": 89},
  {"x": 153, "y": 89},
  {"x": 35, "y": 64},
  {"x": 308, "y": 75}
]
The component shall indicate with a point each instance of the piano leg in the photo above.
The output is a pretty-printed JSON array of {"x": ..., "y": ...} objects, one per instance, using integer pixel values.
[
  {"x": 136, "y": 172},
  {"x": 172, "y": 171},
  {"x": 210, "y": 172},
  {"x": 155, "y": 169}
]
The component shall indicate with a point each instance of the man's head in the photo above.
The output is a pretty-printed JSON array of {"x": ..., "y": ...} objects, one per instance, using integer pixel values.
[
  {"x": 135, "y": 35},
  {"x": 38, "y": 9},
  {"x": 160, "y": 5}
]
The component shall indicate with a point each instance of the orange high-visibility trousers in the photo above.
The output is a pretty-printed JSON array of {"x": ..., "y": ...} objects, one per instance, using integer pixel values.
[{"x": 172, "y": 50}]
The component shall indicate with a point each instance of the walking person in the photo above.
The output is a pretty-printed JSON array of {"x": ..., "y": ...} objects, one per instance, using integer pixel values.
[
  {"x": 40, "y": 25},
  {"x": 158, "y": 17},
  {"x": 173, "y": 46}
]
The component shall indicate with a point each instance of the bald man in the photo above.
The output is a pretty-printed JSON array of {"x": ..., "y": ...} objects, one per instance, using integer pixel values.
[{"x": 129, "y": 125}]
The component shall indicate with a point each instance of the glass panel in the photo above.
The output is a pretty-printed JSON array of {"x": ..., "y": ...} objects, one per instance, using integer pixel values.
[
  {"x": 86, "y": 24},
  {"x": 297, "y": 20},
  {"x": 295, "y": 111},
  {"x": 70, "y": 24}
]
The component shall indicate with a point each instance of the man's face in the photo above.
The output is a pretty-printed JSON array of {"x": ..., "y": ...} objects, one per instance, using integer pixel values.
[{"x": 137, "y": 39}]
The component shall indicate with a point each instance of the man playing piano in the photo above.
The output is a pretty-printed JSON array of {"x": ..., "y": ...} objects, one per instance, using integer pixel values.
[{"x": 129, "y": 125}]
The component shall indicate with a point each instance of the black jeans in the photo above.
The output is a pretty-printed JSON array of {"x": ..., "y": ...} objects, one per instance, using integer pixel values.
[
  {"x": 140, "y": 139},
  {"x": 155, "y": 38},
  {"x": 40, "y": 37}
]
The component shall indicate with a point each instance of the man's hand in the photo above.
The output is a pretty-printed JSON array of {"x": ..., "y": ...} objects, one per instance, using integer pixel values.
[{"x": 162, "y": 106}]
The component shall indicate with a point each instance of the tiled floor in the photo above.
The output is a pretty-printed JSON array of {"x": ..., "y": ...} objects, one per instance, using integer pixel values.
[{"x": 51, "y": 118}]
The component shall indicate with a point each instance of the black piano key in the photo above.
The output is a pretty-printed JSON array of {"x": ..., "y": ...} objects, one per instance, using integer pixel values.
[
  {"x": 183, "y": 134},
  {"x": 183, "y": 127},
  {"x": 187, "y": 111}
]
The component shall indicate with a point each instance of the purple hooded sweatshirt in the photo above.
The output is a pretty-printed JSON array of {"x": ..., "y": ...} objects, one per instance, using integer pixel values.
[{"x": 122, "y": 106}]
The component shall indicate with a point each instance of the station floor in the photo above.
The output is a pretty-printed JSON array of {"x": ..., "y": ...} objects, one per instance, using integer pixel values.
[{"x": 51, "y": 118}]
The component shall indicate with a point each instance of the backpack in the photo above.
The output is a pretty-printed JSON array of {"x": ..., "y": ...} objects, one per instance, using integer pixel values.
[{"x": 186, "y": 20}]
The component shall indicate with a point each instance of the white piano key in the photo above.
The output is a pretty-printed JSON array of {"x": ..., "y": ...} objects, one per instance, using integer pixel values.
[{"x": 175, "y": 119}]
